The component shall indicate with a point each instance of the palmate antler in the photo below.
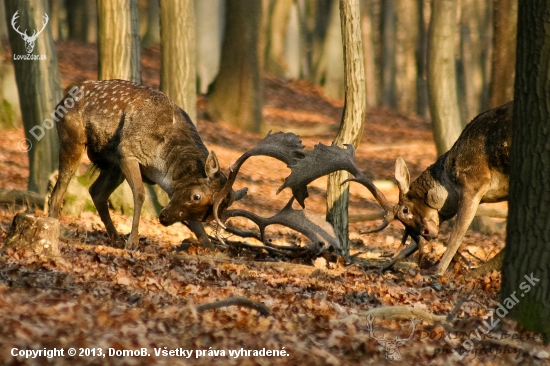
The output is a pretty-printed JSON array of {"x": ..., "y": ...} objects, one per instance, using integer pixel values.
[
  {"x": 323, "y": 160},
  {"x": 316, "y": 229},
  {"x": 306, "y": 166}
]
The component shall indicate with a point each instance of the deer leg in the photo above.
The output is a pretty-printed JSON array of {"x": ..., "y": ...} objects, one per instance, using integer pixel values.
[
  {"x": 467, "y": 207},
  {"x": 108, "y": 180},
  {"x": 130, "y": 169},
  {"x": 72, "y": 143}
]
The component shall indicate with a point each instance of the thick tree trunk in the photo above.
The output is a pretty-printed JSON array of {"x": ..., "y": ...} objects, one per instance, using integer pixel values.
[
  {"x": 39, "y": 88},
  {"x": 118, "y": 46},
  {"x": 442, "y": 94},
  {"x": 37, "y": 234},
  {"x": 526, "y": 266},
  {"x": 177, "y": 43},
  {"x": 505, "y": 13},
  {"x": 351, "y": 127},
  {"x": 421, "y": 60},
  {"x": 236, "y": 96}
]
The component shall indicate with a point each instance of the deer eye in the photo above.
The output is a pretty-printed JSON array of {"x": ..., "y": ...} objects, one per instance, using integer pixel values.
[
  {"x": 405, "y": 210},
  {"x": 196, "y": 197}
]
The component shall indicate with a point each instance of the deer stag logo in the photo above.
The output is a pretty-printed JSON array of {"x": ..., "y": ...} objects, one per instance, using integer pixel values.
[
  {"x": 29, "y": 40},
  {"x": 391, "y": 345}
]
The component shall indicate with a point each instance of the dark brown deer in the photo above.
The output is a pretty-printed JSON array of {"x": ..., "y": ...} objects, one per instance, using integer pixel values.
[
  {"x": 475, "y": 170},
  {"x": 136, "y": 133}
]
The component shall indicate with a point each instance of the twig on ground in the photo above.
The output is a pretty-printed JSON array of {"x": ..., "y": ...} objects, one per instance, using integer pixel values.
[{"x": 236, "y": 301}]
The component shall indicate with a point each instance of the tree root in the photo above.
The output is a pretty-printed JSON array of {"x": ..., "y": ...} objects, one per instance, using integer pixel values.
[
  {"x": 494, "y": 264},
  {"x": 236, "y": 301}
]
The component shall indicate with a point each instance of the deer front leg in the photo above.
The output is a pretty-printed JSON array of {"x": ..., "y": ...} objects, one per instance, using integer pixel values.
[
  {"x": 130, "y": 169},
  {"x": 108, "y": 180},
  {"x": 467, "y": 207}
]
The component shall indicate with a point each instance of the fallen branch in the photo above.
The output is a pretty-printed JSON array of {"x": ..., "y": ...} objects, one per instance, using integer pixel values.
[
  {"x": 21, "y": 198},
  {"x": 236, "y": 301},
  {"x": 404, "y": 312}
]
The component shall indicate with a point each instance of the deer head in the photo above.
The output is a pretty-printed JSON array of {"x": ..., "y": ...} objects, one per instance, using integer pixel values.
[
  {"x": 29, "y": 40},
  {"x": 414, "y": 209}
]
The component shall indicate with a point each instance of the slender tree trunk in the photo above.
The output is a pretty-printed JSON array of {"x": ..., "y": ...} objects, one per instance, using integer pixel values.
[
  {"x": 442, "y": 94},
  {"x": 388, "y": 53},
  {"x": 209, "y": 24},
  {"x": 371, "y": 78},
  {"x": 236, "y": 96},
  {"x": 119, "y": 47},
  {"x": 152, "y": 33},
  {"x": 526, "y": 266},
  {"x": 177, "y": 43},
  {"x": 351, "y": 127},
  {"x": 293, "y": 43},
  {"x": 505, "y": 13},
  {"x": 421, "y": 60},
  {"x": 275, "y": 61},
  {"x": 39, "y": 88},
  {"x": 405, "y": 55}
]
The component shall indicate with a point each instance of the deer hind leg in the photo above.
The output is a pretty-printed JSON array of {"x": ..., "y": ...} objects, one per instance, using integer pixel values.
[
  {"x": 109, "y": 179},
  {"x": 130, "y": 169},
  {"x": 72, "y": 143},
  {"x": 467, "y": 207}
]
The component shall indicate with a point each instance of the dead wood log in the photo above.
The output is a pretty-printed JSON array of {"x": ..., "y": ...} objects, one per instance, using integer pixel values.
[
  {"x": 38, "y": 234},
  {"x": 18, "y": 197},
  {"x": 236, "y": 301}
]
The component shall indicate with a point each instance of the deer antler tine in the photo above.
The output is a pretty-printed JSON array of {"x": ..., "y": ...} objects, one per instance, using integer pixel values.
[{"x": 286, "y": 147}]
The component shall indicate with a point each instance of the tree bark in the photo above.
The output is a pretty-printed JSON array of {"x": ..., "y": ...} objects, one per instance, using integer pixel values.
[
  {"x": 371, "y": 78},
  {"x": 118, "y": 46},
  {"x": 442, "y": 94},
  {"x": 39, "y": 88},
  {"x": 351, "y": 127},
  {"x": 388, "y": 53},
  {"x": 526, "y": 254},
  {"x": 505, "y": 14},
  {"x": 236, "y": 96},
  {"x": 209, "y": 22},
  {"x": 37, "y": 234},
  {"x": 405, "y": 56},
  {"x": 152, "y": 33},
  {"x": 177, "y": 43}
]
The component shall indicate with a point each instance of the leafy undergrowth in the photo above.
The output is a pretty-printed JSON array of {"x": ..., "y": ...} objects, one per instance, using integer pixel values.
[{"x": 96, "y": 297}]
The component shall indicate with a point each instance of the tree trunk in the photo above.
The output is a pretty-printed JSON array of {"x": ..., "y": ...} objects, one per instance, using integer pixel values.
[
  {"x": 421, "y": 60},
  {"x": 118, "y": 46},
  {"x": 526, "y": 266},
  {"x": 442, "y": 94},
  {"x": 209, "y": 22},
  {"x": 77, "y": 20},
  {"x": 351, "y": 127},
  {"x": 405, "y": 55},
  {"x": 177, "y": 43},
  {"x": 371, "y": 78},
  {"x": 388, "y": 53},
  {"x": 39, "y": 88},
  {"x": 37, "y": 234},
  {"x": 505, "y": 13},
  {"x": 152, "y": 33},
  {"x": 275, "y": 61},
  {"x": 329, "y": 71},
  {"x": 236, "y": 96}
]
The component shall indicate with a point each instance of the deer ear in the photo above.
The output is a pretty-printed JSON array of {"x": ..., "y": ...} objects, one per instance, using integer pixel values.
[
  {"x": 212, "y": 167},
  {"x": 402, "y": 176}
]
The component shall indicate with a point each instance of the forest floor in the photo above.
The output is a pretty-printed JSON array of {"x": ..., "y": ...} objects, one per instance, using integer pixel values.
[{"x": 96, "y": 298}]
